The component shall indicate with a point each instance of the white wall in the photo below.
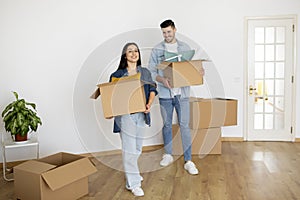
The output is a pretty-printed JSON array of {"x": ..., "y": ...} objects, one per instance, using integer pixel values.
[{"x": 47, "y": 47}]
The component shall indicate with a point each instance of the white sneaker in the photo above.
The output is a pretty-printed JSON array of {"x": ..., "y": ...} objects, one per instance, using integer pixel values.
[
  {"x": 191, "y": 168},
  {"x": 142, "y": 178},
  {"x": 166, "y": 160},
  {"x": 137, "y": 191}
]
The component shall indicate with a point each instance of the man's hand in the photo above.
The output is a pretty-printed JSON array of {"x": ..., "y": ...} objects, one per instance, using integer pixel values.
[
  {"x": 202, "y": 72},
  {"x": 166, "y": 83}
]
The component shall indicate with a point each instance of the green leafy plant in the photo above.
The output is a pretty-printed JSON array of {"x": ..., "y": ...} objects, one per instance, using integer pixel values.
[{"x": 20, "y": 117}]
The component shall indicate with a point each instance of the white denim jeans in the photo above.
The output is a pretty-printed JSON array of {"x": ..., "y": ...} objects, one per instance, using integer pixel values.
[{"x": 132, "y": 142}]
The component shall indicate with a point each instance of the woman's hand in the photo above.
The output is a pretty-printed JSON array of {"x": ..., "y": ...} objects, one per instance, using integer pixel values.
[{"x": 148, "y": 106}]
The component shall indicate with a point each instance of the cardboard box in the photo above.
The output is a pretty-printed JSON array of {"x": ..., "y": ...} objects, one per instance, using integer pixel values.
[
  {"x": 208, "y": 113},
  {"x": 185, "y": 73},
  {"x": 204, "y": 141},
  {"x": 59, "y": 176},
  {"x": 122, "y": 97}
]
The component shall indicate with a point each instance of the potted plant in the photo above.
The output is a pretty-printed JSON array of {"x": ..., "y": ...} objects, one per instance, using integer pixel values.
[{"x": 20, "y": 118}]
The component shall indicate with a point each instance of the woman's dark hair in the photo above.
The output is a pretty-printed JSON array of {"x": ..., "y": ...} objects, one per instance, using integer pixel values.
[
  {"x": 123, "y": 61},
  {"x": 167, "y": 23}
]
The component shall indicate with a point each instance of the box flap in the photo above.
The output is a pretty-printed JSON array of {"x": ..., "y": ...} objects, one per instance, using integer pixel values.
[
  {"x": 60, "y": 158},
  {"x": 163, "y": 65},
  {"x": 34, "y": 166},
  {"x": 194, "y": 99},
  {"x": 68, "y": 173},
  {"x": 96, "y": 94},
  {"x": 137, "y": 76},
  {"x": 225, "y": 99},
  {"x": 210, "y": 99}
]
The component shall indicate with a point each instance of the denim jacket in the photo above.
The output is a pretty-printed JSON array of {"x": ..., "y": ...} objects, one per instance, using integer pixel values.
[
  {"x": 156, "y": 57},
  {"x": 149, "y": 86}
]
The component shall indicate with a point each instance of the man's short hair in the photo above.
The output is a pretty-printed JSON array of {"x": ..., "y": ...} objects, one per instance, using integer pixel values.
[{"x": 167, "y": 23}]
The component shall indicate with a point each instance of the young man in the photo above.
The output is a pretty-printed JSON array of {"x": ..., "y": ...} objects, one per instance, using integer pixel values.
[{"x": 170, "y": 98}]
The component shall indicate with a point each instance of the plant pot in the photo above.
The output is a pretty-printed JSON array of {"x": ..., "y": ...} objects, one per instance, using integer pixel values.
[{"x": 20, "y": 138}]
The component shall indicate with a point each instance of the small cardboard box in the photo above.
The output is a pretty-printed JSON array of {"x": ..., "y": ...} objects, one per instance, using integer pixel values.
[
  {"x": 185, "y": 73},
  {"x": 59, "y": 176},
  {"x": 204, "y": 141},
  {"x": 122, "y": 97},
  {"x": 216, "y": 112}
]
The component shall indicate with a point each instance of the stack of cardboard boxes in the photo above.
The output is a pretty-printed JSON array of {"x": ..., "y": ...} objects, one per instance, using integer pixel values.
[{"x": 207, "y": 116}]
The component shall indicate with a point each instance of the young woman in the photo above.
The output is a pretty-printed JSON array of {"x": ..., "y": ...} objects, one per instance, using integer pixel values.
[{"x": 131, "y": 126}]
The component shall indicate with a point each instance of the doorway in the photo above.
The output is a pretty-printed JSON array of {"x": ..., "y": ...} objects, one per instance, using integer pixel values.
[{"x": 270, "y": 78}]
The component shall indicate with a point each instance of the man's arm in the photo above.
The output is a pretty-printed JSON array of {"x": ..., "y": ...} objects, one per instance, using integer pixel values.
[{"x": 153, "y": 62}]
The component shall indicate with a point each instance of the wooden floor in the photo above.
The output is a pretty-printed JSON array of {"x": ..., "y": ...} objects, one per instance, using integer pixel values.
[{"x": 245, "y": 170}]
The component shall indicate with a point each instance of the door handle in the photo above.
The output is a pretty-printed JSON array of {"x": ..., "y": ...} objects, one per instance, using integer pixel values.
[{"x": 251, "y": 89}]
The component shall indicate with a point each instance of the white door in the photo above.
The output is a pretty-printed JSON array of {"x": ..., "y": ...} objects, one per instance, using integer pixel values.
[{"x": 270, "y": 79}]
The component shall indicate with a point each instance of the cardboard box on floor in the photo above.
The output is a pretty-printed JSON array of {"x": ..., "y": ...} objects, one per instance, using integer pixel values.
[
  {"x": 121, "y": 97},
  {"x": 59, "y": 176},
  {"x": 184, "y": 73},
  {"x": 204, "y": 141},
  {"x": 216, "y": 112}
]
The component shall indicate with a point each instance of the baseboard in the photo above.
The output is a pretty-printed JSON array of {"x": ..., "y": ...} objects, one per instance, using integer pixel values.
[
  {"x": 153, "y": 147},
  {"x": 232, "y": 139},
  {"x": 297, "y": 139},
  {"x": 145, "y": 149},
  {"x": 119, "y": 151}
]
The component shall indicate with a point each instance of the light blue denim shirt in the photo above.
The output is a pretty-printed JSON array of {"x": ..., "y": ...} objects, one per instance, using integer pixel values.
[{"x": 156, "y": 57}]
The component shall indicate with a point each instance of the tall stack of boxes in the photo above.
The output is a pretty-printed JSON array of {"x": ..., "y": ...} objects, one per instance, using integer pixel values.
[{"x": 207, "y": 116}]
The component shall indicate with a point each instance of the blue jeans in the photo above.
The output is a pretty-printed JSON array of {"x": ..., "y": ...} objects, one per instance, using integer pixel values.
[
  {"x": 182, "y": 108},
  {"x": 132, "y": 142}
]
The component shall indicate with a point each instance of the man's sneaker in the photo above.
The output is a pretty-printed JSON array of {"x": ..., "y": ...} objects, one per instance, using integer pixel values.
[
  {"x": 190, "y": 167},
  {"x": 137, "y": 191},
  {"x": 166, "y": 160}
]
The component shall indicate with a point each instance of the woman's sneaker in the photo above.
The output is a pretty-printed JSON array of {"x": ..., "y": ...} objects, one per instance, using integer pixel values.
[
  {"x": 166, "y": 160},
  {"x": 137, "y": 191},
  {"x": 191, "y": 168}
]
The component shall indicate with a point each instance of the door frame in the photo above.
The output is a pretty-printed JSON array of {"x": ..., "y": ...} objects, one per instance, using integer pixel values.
[{"x": 245, "y": 105}]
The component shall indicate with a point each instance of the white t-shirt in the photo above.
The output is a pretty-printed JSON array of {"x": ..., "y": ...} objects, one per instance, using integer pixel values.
[{"x": 173, "y": 48}]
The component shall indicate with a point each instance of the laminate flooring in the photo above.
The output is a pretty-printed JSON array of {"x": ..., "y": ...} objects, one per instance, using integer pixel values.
[{"x": 244, "y": 171}]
